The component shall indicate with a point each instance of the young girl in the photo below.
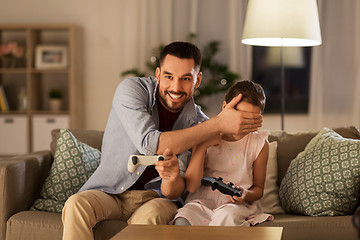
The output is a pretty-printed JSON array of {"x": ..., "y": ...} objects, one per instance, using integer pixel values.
[{"x": 240, "y": 159}]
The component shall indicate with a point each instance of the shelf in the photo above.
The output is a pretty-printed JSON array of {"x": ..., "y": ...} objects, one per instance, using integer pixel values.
[
  {"x": 13, "y": 113},
  {"x": 49, "y": 71},
  {"x": 13, "y": 70},
  {"x": 27, "y": 87},
  {"x": 48, "y": 112}
]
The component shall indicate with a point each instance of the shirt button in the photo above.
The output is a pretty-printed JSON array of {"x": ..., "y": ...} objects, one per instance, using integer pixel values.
[
  {"x": 138, "y": 173},
  {"x": 122, "y": 188}
]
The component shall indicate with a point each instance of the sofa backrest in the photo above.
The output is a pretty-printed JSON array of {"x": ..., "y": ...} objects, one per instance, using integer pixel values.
[
  {"x": 92, "y": 138},
  {"x": 291, "y": 144}
]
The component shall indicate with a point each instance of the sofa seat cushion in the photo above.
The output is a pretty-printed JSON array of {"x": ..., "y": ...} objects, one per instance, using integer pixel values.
[
  {"x": 36, "y": 225},
  {"x": 296, "y": 227}
]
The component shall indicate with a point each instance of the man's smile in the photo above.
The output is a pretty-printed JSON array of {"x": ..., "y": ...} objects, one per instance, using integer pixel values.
[{"x": 176, "y": 96}]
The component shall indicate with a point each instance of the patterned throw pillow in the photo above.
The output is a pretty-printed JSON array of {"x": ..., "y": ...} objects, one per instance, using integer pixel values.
[
  {"x": 74, "y": 162},
  {"x": 324, "y": 179}
]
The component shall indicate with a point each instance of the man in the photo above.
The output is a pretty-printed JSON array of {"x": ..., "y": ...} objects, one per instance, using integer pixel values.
[{"x": 150, "y": 116}]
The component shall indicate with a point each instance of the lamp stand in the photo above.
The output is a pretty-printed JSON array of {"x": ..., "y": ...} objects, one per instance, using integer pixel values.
[{"x": 282, "y": 86}]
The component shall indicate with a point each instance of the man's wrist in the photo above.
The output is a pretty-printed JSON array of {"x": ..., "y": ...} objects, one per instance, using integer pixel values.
[{"x": 215, "y": 123}]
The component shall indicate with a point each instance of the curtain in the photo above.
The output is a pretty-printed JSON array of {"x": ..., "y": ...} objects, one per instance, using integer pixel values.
[
  {"x": 145, "y": 24},
  {"x": 335, "y": 72},
  {"x": 335, "y": 78}
]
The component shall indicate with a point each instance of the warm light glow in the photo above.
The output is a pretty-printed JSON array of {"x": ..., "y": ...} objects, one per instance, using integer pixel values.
[
  {"x": 278, "y": 42},
  {"x": 288, "y": 23}
]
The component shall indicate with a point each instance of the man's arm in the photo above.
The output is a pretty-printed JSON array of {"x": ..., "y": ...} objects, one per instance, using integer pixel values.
[{"x": 228, "y": 121}]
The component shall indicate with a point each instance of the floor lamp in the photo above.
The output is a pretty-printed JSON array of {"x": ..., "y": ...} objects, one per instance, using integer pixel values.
[{"x": 282, "y": 23}]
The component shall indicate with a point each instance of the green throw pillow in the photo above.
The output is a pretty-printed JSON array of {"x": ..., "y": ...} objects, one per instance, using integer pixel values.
[
  {"x": 74, "y": 162},
  {"x": 324, "y": 179}
]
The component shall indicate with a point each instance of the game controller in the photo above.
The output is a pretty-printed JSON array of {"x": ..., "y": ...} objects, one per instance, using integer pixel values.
[
  {"x": 217, "y": 183},
  {"x": 136, "y": 160}
]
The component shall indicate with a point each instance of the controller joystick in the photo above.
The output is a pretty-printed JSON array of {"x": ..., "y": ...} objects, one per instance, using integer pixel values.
[{"x": 134, "y": 160}]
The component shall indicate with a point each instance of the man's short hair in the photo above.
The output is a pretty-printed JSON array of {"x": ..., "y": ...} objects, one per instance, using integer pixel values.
[
  {"x": 184, "y": 50},
  {"x": 251, "y": 92}
]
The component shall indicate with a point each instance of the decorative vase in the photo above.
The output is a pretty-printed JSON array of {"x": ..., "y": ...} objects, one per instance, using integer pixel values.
[
  {"x": 22, "y": 102},
  {"x": 55, "y": 104}
]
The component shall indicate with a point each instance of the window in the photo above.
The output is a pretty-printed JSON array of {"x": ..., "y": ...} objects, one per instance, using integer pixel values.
[{"x": 267, "y": 72}]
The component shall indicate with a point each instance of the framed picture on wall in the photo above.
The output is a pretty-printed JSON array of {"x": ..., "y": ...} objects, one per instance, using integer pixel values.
[{"x": 51, "y": 57}]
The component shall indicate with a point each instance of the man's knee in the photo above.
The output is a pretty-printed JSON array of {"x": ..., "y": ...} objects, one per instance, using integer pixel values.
[
  {"x": 156, "y": 211},
  {"x": 77, "y": 205}
]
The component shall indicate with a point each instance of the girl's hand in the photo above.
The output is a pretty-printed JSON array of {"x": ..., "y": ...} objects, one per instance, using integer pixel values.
[{"x": 241, "y": 199}]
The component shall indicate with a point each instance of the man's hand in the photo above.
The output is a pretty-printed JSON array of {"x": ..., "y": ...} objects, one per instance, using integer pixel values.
[
  {"x": 172, "y": 184},
  {"x": 232, "y": 121},
  {"x": 169, "y": 169}
]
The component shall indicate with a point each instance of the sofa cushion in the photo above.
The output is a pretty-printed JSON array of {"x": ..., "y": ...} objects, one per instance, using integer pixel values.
[
  {"x": 32, "y": 225},
  {"x": 324, "y": 179},
  {"x": 74, "y": 163},
  {"x": 92, "y": 138},
  {"x": 270, "y": 200},
  {"x": 290, "y": 144}
]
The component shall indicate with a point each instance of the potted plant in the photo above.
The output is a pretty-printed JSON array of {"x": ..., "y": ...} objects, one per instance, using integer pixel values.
[{"x": 55, "y": 102}]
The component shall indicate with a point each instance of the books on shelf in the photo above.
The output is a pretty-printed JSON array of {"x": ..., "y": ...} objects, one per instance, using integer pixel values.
[{"x": 4, "y": 104}]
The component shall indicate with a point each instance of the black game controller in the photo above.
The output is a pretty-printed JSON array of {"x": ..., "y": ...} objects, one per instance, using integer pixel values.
[{"x": 217, "y": 183}]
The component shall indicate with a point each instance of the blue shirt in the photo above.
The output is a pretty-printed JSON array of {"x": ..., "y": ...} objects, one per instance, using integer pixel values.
[{"x": 132, "y": 128}]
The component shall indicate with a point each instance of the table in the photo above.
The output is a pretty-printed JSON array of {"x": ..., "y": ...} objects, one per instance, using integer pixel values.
[{"x": 171, "y": 232}]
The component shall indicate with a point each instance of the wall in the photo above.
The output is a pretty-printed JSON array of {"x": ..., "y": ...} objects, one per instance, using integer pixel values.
[
  {"x": 102, "y": 35},
  {"x": 105, "y": 44}
]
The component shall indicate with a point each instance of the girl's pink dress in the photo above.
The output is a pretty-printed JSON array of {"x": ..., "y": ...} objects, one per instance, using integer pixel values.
[{"x": 233, "y": 161}]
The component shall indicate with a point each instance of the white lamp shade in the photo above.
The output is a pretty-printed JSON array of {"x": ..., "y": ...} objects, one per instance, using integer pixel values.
[{"x": 282, "y": 23}]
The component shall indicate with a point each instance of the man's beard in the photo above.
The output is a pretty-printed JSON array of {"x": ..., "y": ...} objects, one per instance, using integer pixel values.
[{"x": 169, "y": 108}]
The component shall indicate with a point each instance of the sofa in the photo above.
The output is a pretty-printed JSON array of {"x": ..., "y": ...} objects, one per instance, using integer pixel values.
[{"x": 22, "y": 178}]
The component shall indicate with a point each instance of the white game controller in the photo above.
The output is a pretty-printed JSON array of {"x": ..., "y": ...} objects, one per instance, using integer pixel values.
[{"x": 136, "y": 160}]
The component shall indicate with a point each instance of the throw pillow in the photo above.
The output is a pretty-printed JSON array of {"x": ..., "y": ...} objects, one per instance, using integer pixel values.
[
  {"x": 74, "y": 162},
  {"x": 324, "y": 179},
  {"x": 270, "y": 200}
]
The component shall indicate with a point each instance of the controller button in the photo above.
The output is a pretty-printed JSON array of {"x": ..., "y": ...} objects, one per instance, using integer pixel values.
[
  {"x": 134, "y": 160},
  {"x": 161, "y": 158}
]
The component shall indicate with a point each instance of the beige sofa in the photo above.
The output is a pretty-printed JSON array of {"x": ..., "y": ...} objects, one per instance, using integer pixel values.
[{"x": 22, "y": 177}]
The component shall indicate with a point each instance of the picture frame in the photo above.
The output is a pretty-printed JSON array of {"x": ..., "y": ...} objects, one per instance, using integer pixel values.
[{"x": 51, "y": 57}]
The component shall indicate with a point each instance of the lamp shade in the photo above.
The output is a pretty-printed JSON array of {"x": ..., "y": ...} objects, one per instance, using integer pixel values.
[{"x": 282, "y": 23}]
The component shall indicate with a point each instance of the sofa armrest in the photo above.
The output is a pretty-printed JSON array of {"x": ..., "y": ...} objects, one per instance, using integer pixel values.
[{"x": 21, "y": 180}]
